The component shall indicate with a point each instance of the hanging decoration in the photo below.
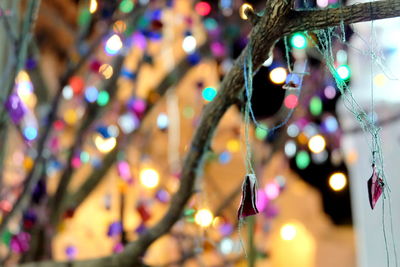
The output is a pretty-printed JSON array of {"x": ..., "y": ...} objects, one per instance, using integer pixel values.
[{"x": 375, "y": 187}]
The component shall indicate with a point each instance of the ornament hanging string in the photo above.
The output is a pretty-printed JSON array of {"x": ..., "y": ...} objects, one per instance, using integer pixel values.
[{"x": 367, "y": 123}]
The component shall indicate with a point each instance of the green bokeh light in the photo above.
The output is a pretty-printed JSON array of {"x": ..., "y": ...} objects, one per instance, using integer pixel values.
[
  {"x": 302, "y": 160},
  {"x": 126, "y": 6},
  {"x": 316, "y": 106},
  {"x": 261, "y": 132},
  {"x": 103, "y": 98}
]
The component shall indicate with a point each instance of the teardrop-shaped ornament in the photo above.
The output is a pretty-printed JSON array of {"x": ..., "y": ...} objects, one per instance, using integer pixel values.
[
  {"x": 375, "y": 187},
  {"x": 248, "y": 204}
]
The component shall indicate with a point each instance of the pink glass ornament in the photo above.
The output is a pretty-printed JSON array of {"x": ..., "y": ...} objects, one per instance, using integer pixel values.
[{"x": 375, "y": 187}]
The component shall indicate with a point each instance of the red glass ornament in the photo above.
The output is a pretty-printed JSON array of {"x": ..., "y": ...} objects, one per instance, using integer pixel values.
[{"x": 248, "y": 205}]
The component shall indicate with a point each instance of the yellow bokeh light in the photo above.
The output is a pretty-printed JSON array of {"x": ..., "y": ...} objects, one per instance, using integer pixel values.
[
  {"x": 242, "y": 10},
  {"x": 104, "y": 145},
  {"x": 317, "y": 144},
  {"x": 288, "y": 232},
  {"x": 70, "y": 116},
  {"x": 106, "y": 70},
  {"x": 278, "y": 75},
  {"x": 149, "y": 178},
  {"x": 380, "y": 80},
  {"x": 22, "y": 76},
  {"x": 93, "y": 6},
  {"x": 233, "y": 145},
  {"x": 204, "y": 217},
  {"x": 119, "y": 26},
  {"x": 337, "y": 181}
]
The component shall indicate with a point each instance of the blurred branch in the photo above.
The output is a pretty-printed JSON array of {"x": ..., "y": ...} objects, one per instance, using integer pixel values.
[
  {"x": 91, "y": 114},
  {"x": 31, "y": 178},
  {"x": 97, "y": 175}
]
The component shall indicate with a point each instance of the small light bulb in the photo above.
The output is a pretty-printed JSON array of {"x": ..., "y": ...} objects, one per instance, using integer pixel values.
[
  {"x": 113, "y": 44},
  {"x": 316, "y": 144},
  {"x": 204, "y": 217},
  {"x": 337, "y": 181},
  {"x": 242, "y": 10},
  {"x": 189, "y": 44},
  {"x": 278, "y": 75},
  {"x": 149, "y": 178},
  {"x": 288, "y": 232}
]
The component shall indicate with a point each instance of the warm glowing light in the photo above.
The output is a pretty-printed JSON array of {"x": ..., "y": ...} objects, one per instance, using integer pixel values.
[
  {"x": 288, "y": 232},
  {"x": 119, "y": 26},
  {"x": 233, "y": 145},
  {"x": 337, "y": 181},
  {"x": 106, "y": 70},
  {"x": 316, "y": 144},
  {"x": 242, "y": 10},
  {"x": 380, "y": 80},
  {"x": 204, "y": 217},
  {"x": 70, "y": 116},
  {"x": 104, "y": 145},
  {"x": 149, "y": 178},
  {"x": 278, "y": 75},
  {"x": 113, "y": 44},
  {"x": 189, "y": 44},
  {"x": 93, "y": 6},
  {"x": 22, "y": 76}
]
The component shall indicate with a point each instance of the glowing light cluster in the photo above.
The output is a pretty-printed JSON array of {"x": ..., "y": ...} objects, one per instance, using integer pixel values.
[
  {"x": 343, "y": 72},
  {"x": 337, "y": 181},
  {"x": 104, "y": 145},
  {"x": 189, "y": 44},
  {"x": 204, "y": 217},
  {"x": 106, "y": 70},
  {"x": 278, "y": 75},
  {"x": 316, "y": 144},
  {"x": 113, "y": 44},
  {"x": 288, "y": 232},
  {"x": 149, "y": 177},
  {"x": 93, "y": 6}
]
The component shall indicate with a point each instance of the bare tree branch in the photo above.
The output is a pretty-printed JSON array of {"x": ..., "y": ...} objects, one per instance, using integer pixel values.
[
  {"x": 309, "y": 20},
  {"x": 97, "y": 175}
]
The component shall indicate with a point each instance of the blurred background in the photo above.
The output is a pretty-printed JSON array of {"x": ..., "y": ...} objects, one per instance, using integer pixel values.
[{"x": 108, "y": 95}]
